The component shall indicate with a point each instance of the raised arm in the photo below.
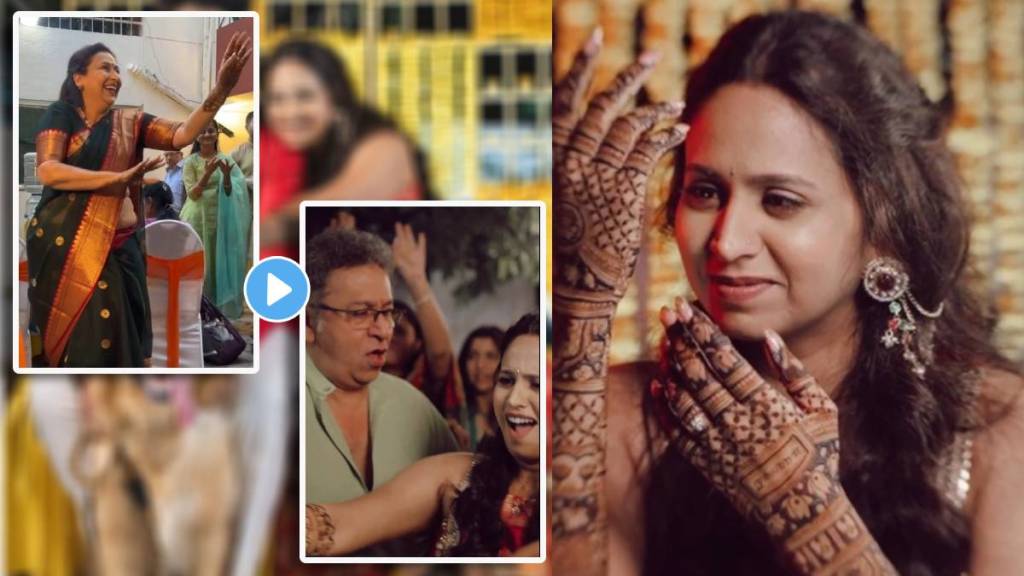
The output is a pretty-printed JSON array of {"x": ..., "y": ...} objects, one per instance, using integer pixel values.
[
  {"x": 235, "y": 56},
  {"x": 405, "y": 505},
  {"x": 602, "y": 162},
  {"x": 411, "y": 260}
]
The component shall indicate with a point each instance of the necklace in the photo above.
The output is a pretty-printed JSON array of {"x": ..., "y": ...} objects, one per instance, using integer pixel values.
[
  {"x": 89, "y": 125},
  {"x": 520, "y": 506}
]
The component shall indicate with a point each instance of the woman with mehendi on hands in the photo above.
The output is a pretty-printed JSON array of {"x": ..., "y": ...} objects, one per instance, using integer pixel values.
[
  {"x": 87, "y": 287},
  {"x": 832, "y": 403},
  {"x": 483, "y": 503}
]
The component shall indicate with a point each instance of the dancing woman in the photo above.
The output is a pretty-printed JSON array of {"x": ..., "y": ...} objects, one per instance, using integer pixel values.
[{"x": 87, "y": 286}]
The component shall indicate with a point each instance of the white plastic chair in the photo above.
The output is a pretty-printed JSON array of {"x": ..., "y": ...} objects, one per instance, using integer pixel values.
[{"x": 174, "y": 274}]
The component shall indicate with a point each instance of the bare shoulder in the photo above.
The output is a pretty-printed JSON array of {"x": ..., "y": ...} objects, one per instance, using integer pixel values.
[
  {"x": 1001, "y": 411},
  {"x": 1000, "y": 408},
  {"x": 384, "y": 142},
  {"x": 997, "y": 478},
  {"x": 1001, "y": 401},
  {"x": 627, "y": 422}
]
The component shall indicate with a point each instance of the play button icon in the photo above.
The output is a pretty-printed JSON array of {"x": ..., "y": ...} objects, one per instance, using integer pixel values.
[{"x": 276, "y": 289}]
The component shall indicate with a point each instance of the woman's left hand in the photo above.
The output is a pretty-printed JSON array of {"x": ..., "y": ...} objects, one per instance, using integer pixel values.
[
  {"x": 773, "y": 454},
  {"x": 235, "y": 56}
]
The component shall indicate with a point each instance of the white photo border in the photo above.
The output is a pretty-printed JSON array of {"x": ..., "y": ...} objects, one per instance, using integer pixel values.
[
  {"x": 16, "y": 209},
  {"x": 542, "y": 313}
]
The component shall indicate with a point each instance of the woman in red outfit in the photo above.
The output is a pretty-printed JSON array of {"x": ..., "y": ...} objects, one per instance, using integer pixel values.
[
  {"x": 487, "y": 500},
  {"x": 321, "y": 143}
]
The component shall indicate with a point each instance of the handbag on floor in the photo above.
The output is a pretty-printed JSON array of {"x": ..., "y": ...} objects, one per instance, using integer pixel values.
[{"x": 222, "y": 343}]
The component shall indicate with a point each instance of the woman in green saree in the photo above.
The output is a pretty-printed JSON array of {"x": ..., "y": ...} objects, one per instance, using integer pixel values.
[
  {"x": 218, "y": 209},
  {"x": 87, "y": 268}
]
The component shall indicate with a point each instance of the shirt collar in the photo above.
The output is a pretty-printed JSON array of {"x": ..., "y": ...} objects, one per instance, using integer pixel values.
[{"x": 318, "y": 383}]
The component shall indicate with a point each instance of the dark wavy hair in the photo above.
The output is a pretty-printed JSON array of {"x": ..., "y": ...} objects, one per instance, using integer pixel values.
[
  {"x": 477, "y": 510},
  {"x": 494, "y": 334},
  {"x": 329, "y": 156},
  {"x": 895, "y": 427},
  {"x": 79, "y": 64}
]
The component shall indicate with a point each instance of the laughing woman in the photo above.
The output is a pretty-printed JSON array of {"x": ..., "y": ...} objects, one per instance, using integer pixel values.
[
  {"x": 87, "y": 288},
  {"x": 479, "y": 504}
]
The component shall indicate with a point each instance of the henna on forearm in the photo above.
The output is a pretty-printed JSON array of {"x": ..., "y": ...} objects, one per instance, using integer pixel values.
[
  {"x": 837, "y": 543},
  {"x": 775, "y": 456},
  {"x": 602, "y": 164},
  {"x": 578, "y": 467},
  {"x": 215, "y": 99},
  {"x": 319, "y": 530}
]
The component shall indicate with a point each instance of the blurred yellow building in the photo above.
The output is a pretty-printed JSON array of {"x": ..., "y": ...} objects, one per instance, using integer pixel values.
[{"x": 470, "y": 81}]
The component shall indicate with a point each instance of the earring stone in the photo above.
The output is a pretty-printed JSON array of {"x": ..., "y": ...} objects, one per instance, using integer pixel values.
[{"x": 886, "y": 280}]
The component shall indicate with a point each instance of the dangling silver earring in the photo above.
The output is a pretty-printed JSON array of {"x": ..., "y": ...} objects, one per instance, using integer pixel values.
[{"x": 887, "y": 281}]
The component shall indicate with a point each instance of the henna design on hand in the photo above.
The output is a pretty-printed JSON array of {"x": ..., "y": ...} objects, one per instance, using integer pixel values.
[
  {"x": 236, "y": 54},
  {"x": 603, "y": 158},
  {"x": 319, "y": 530},
  {"x": 774, "y": 455}
]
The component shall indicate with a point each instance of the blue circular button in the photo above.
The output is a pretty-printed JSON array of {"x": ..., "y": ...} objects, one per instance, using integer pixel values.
[{"x": 276, "y": 289}]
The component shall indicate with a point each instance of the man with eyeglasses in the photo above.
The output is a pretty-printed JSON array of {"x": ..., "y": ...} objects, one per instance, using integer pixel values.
[{"x": 363, "y": 426}]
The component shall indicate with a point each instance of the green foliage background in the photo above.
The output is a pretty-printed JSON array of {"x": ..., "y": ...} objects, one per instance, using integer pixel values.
[{"x": 479, "y": 248}]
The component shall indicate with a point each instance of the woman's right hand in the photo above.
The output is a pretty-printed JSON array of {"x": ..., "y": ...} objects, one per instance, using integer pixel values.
[
  {"x": 603, "y": 158},
  {"x": 211, "y": 166},
  {"x": 135, "y": 173},
  {"x": 410, "y": 254},
  {"x": 773, "y": 452}
]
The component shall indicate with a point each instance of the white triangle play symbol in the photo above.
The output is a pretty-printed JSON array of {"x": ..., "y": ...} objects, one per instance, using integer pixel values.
[{"x": 276, "y": 289}]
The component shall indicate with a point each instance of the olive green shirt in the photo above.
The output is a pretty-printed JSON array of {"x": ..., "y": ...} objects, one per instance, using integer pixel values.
[{"x": 404, "y": 428}]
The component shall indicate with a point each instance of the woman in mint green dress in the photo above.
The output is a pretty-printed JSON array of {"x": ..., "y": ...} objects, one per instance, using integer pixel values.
[{"x": 218, "y": 209}]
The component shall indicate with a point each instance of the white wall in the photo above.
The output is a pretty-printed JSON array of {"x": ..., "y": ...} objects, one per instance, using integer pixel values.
[{"x": 170, "y": 48}]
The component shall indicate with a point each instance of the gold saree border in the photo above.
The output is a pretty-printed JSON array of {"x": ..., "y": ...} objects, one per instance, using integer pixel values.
[
  {"x": 50, "y": 145},
  {"x": 91, "y": 247}
]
